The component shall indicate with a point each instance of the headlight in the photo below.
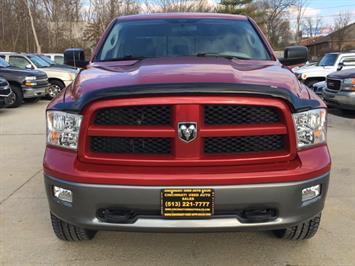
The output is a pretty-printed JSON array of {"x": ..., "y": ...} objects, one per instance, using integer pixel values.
[
  {"x": 63, "y": 129},
  {"x": 31, "y": 78},
  {"x": 348, "y": 85},
  {"x": 304, "y": 76},
  {"x": 29, "y": 81},
  {"x": 311, "y": 127}
]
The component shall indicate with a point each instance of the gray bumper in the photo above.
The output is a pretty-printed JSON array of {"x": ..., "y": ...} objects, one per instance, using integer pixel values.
[
  {"x": 283, "y": 197},
  {"x": 341, "y": 99},
  {"x": 30, "y": 92}
]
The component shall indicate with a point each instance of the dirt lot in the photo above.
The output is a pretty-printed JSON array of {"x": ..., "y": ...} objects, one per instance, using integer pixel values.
[{"x": 26, "y": 236}]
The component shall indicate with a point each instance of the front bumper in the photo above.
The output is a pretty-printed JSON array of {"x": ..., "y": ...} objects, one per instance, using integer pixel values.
[
  {"x": 340, "y": 99},
  {"x": 285, "y": 198},
  {"x": 31, "y": 92},
  {"x": 5, "y": 100}
]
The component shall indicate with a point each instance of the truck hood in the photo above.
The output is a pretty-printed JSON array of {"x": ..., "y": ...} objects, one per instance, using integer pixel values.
[
  {"x": 344, "y": 74},
  {"x": 59, "y": 72},
  {"x": 22, "y": 72},
  {"x": 314, "y": 69},
  {"x": 102, "y": 75}
]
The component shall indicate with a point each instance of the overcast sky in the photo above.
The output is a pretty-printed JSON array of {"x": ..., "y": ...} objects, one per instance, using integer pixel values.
[{"x": 328, "y": 9}]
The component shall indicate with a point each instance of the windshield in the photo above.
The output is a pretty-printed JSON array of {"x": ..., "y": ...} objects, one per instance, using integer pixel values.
[
  {"x": 328, "y": 60},
  {"x": 46, "y": 59},
  {"x": 3, "y": 63},
  {"x": 182, "y": 37},
  {"x": 39, "y": 62}
]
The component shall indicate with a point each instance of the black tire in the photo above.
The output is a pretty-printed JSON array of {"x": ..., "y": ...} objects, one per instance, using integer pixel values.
[
  {"x": 302, "y": 231},
  {"x": 17, "y": 97},
  {"x": 69, "y": 232},
  {"x": 31, "y": 100},
  {"x": 55, "y": 87}
]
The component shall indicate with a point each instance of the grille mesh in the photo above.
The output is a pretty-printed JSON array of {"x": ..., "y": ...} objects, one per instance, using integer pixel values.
[
  {"x": 124, "y": 145},
  {"x": 147, "y": 115},
  {"x": 218, "y": 145},
  {"x": 240, "y": 114},
  {"x": 333, "y": 84}
]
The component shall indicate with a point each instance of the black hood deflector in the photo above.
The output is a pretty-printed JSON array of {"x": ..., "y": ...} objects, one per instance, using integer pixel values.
[{"x": 148, "y": 90}]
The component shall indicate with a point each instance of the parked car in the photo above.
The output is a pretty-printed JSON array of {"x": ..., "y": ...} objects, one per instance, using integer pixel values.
[
  {"x": 329, "y": 63},
  {"x": 28, "y": 85},
  {"x": 340, "y": 90},
  {"x": 5, "y": 93},
  {"x": 58, "y": 78},
  {"x": 186, "y": 122},
  {"x": 56, "y": 58}
]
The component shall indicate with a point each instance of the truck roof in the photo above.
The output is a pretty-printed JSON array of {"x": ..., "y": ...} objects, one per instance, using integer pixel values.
[{"x": 182, "y": 15}]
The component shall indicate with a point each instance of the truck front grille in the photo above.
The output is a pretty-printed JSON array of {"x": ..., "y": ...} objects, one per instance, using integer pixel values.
[
  {"x": 123, "y": 145},
  {"x": 229, "y": 130},
  {"x": 333, "y": 84},
  {"x": 240, "y": 114},
  {"x": 243, "y": 144},
  {"x": 150, "y": 115}
]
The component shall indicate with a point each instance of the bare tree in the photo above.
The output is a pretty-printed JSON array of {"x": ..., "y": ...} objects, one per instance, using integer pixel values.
[
  {"x": 312, "y": 25},
  {"x": 301, "y": 6},
  {"x": 340, "y": 27},
  {"x": 178, "y": 6},
  {"x": 275, "y": 18},
  {"x": 33, "y": 27}
]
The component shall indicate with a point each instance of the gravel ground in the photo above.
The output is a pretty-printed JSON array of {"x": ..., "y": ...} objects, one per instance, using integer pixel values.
[{"x": 26, "y": 236}]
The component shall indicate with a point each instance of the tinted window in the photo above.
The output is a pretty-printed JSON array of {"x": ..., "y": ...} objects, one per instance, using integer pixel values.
[
  {"x": 59, "y": 59},
  {"x": 182, "y": 37},
  {"x": 39, "y": 62},
  {"x": 18, "y": 61},
  {"x": 46, "y": 59},
  {"x": 328, "y": 60}
]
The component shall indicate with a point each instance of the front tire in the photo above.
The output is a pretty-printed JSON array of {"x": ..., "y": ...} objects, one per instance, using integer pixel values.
[
  {"x": 69, "y": 232},
  {"x": 16, "y": 99},
  {"x": 54, "y": 89},
  {"x": 301, "y": 231}
]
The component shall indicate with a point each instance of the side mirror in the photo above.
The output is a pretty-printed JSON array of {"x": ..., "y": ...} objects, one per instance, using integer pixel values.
[
  {"x": 28, "y": 66},
  {"x": 75, "y": 57},
  {"x": 294, "y": 55},
  {"x": 340, "y": 66}
]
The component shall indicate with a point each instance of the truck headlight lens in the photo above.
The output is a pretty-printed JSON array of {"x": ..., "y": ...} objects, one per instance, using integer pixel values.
[
  {"x": 30, "y": 81},
  {"x": 63, "y": 129},
  {"x": 348, "y": 85},
  {"x": 311, "y": 127}
]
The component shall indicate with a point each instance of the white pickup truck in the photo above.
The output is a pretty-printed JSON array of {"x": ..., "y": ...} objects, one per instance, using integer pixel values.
[{"x": 329, "y": 63}]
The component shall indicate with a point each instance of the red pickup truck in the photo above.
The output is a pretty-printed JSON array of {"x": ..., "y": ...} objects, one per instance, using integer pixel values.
[{"x": 186, "y": 122}]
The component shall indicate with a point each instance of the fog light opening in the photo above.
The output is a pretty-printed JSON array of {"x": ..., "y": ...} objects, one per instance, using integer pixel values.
[
  {"x": 311, "y": 192},
  {"x": 63, "y": 194}
]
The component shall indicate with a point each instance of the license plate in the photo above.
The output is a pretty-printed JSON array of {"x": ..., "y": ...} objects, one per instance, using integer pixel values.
[{"x": 187, "y": 202}]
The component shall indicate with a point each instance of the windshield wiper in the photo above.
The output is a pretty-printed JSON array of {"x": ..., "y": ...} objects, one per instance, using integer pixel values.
[
  {"x": 126, "y": 57},
  {"x": 227, "y": 56}
]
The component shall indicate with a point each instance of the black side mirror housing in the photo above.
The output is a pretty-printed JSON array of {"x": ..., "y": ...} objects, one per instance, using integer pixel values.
[
  {"x": 294, "y": 55},
  {"x": 75, "y": 57},
  {"x": 340, "y": 66}
]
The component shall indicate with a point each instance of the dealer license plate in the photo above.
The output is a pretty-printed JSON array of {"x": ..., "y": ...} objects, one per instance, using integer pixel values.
[{"x": 192, "y": 202}]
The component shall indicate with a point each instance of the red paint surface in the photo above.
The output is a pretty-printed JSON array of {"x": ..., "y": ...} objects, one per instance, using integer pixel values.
[{"x": 187, "y": 165}]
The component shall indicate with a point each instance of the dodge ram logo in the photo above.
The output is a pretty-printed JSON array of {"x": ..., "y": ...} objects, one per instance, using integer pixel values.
[{"x": 187, "y": 131}]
